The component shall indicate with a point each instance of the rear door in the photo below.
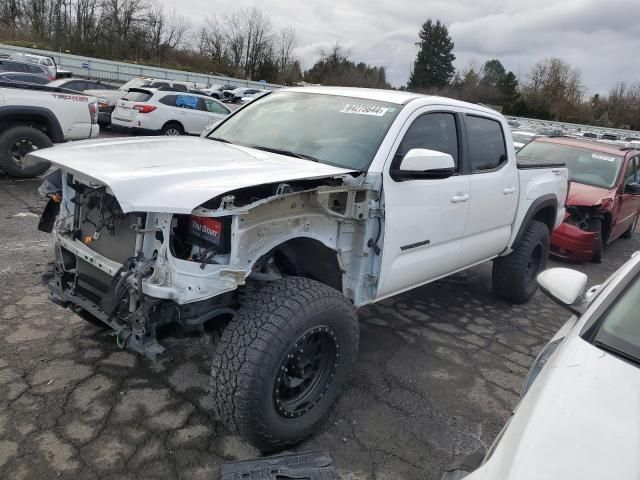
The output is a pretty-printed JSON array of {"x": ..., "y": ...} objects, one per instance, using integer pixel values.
[
  {"x": 494, "y": 189},
  {"x": 194, "y": 119}
]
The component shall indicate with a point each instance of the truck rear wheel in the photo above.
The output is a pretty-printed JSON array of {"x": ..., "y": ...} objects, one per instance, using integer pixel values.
[
  {"x": 15, "y": 144},
  {"x": 283, "y": 360},
  {"x": 514, "y": 276}
]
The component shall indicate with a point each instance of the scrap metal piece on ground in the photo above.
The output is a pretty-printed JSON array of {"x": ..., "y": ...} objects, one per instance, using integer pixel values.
[{"x": 306, "y": 465}]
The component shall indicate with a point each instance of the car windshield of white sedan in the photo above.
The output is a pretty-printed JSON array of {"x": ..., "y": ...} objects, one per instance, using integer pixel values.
[
  {"x": 585, "y": 165},
  {"x": 620, "y": 331},
  {"x": 341, "y": 131}
]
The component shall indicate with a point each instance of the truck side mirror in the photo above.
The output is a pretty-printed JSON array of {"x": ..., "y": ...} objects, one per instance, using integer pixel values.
[
  {"x": 423, "y": 163},
  {"x": 566, "y": 287}
]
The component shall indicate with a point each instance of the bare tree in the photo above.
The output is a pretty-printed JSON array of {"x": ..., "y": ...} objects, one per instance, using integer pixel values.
[
  {"x": 257, "y": 33},
  {"x": 286, "y": 42}
]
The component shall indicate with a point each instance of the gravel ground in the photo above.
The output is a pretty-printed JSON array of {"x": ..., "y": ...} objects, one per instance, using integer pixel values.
[{"x": 439, "y": 372}]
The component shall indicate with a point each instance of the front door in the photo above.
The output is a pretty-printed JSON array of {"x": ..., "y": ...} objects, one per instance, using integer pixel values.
[
  {"x": 628, "y": 204},
  {"x": 424, "y": 218}
]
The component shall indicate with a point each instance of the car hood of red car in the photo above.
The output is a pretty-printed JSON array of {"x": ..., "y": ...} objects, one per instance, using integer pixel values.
[{"x": 581, "y": 195}]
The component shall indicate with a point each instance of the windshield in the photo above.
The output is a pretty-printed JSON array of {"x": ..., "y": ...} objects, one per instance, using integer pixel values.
[
  {"x": 620, "y": 330},
  {"x": 587, "y": 166},
  {"x": 336, "y": 130}
]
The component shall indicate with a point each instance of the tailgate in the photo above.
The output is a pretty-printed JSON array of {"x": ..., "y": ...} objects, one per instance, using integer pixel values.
[
  {"x": 124, "y": 111},
  {"x": 126, "y": 107}
]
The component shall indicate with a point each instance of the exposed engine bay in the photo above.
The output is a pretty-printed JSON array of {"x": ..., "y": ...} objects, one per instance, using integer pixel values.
[
  {"x": 138, "y": 271},
  {"x": 585, "y": 218}
]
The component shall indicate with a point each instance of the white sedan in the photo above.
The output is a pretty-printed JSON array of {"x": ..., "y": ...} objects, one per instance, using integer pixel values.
[
  {"x": 166, "y": 112},
  {"x": 579, "y": 414}
]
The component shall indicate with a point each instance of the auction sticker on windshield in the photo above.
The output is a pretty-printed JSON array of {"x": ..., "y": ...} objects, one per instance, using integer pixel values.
[
  {"x": 360, "y": 109},
  {"x": 602, "y": 157}
]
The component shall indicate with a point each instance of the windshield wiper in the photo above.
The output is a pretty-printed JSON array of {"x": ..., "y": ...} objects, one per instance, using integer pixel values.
[
  {"x": 616, "y": 351},
  {"x": 284, "y": 152}
]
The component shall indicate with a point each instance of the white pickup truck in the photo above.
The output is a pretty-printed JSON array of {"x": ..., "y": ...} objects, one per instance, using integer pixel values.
[
  {"x": 33, "y": 117},
  {"x": 280, "y": 222}
]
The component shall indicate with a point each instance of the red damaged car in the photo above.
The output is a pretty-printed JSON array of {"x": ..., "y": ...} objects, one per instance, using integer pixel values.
[{"x": 604, "y": 197}]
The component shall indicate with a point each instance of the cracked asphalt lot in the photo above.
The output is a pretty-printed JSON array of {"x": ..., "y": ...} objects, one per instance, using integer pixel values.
[{"x": 439, "y": 372}]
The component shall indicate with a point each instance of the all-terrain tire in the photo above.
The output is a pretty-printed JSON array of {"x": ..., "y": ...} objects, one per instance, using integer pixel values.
[
  {"x": 629, "y": 232},
  {"x": 262, "y": 347},
  {"x": 514, "y": 276},
  {"x": 15, "y": 143}
]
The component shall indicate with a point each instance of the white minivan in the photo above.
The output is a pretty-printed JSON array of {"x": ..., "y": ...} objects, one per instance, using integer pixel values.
[{"x": 166, "y": 112}]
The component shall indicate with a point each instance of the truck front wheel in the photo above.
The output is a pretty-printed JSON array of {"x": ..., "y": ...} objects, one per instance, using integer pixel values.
[
  {"x": 514, "y": 276},
  {"x": 15, "y": 144},
  {"x": 282, "y": 361}
]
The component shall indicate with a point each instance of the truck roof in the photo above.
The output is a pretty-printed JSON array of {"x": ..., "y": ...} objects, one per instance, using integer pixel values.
[{"x": 392, "y": 96}]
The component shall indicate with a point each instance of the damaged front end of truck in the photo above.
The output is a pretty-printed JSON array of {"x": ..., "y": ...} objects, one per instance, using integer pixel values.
[{"x": 139, "y": 270}]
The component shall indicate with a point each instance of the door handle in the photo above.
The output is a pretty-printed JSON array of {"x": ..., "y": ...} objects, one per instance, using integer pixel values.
[
  {"x": 509, "y": 190},
  {"x": 460, "y": 198}
]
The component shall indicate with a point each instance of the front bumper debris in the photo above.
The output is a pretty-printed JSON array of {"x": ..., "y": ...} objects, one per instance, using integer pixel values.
[{"x": 572, "y": 244}]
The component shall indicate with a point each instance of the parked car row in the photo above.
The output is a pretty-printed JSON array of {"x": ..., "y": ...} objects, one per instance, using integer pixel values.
[
  {"x": 233, "y": 94},
  {"x": 166, "y": 112}
]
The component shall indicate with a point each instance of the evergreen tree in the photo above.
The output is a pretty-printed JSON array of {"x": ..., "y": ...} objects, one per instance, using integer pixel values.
[
  {"x": 493, "y": 74},
  {"x": 433, "y": 67}
]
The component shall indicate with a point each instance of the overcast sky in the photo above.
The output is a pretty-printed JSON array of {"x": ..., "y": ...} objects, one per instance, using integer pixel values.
[{"x": 600, "y": 37}]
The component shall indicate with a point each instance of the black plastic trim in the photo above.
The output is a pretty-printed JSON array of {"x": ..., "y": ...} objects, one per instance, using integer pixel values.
[
  {"x": 55, "y": 131},
  {"x": 538, "y": 204}
]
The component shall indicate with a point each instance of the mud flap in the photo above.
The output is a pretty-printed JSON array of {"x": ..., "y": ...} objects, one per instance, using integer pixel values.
[{"x": 307, "y": 466}]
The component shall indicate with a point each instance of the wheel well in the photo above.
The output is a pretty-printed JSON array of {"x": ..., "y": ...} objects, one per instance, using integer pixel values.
[
  {"x": 173, "y": 122},
  {"x": 546, "y": 215},
  {"x": 39, "y": 122},
  {"x": 306, "y": 257}
]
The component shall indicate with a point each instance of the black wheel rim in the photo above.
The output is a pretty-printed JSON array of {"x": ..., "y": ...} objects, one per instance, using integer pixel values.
[
  {"x": 20, "y": 149},
  {"x": 533, "y": 265},
  {"x": 306, "y": 372}
]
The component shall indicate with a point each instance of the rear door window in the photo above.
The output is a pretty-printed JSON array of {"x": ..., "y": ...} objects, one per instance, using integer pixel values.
[
  {"x": 187, "y": 101},
  {"x": 179, "y": 87},
  {"x": 487, "y": 148},
  {"x": 159, "y": 84}
]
